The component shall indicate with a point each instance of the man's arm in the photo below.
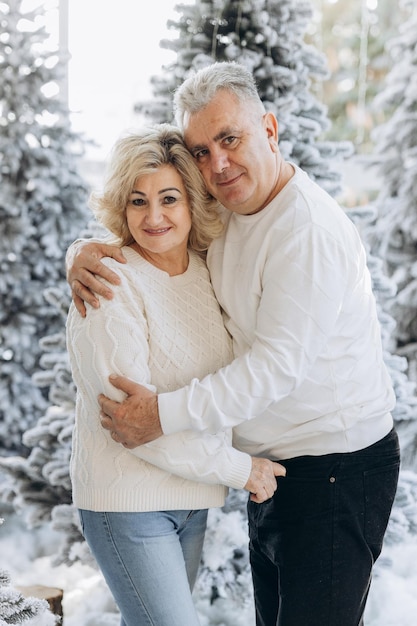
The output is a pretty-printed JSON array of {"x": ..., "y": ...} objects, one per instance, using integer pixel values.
[
  {"x": 83, "y": 263},
  {"x": 262, "y": 480},
  {"x": 288, "y": 337},
  {"x": 261, "y": 483}
]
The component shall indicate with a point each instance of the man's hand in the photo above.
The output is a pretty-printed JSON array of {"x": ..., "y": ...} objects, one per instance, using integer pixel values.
[
  {"x": 135, "y": 420},
  {"x": 262, "y": 482},
  {"x": 83, "y": 262}
]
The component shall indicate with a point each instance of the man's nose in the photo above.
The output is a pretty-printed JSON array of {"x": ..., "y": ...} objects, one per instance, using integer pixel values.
[{"x": 220, "y": 161}]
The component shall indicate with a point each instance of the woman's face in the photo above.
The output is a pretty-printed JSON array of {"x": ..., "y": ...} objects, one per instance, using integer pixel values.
[{"x": 158, "y": 212}]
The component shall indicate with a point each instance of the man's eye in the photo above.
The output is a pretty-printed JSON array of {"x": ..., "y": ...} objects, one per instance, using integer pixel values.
[{"x": 200, "y": 154}]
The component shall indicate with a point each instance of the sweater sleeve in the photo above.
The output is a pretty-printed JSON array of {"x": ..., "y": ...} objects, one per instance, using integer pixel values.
[
  {"x": 303, "y": 284},
  {"x": 203, "y": 457},
  {"x": 114, "y": 339}
]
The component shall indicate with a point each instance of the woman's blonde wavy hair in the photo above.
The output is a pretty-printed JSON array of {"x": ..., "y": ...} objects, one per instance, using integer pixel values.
[{"x": 139, "y": 153}]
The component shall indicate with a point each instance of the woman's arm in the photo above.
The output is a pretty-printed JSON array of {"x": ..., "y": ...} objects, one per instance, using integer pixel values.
[{"x": 214, "y": 460}]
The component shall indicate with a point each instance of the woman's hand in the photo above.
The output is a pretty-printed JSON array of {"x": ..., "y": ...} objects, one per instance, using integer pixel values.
[
  {"x": 83, "y": 264},
  {"x": 262, "y": 482}
]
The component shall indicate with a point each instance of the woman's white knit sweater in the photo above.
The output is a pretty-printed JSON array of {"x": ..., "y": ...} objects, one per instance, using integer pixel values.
[{"x": 160, "y": 331}]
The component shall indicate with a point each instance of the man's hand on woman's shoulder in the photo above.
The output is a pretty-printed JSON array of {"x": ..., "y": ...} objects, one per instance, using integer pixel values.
[{"x": 83, "y": 263}]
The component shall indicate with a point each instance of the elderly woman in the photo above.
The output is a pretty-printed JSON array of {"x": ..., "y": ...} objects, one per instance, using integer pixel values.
[{"x": 143, "y": 511}]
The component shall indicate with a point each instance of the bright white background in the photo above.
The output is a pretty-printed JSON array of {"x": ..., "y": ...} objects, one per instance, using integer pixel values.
[{"x": 114, "y": 51}]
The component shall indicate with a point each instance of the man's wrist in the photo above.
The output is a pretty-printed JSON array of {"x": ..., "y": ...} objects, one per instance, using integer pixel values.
[
  {"x": 154, "y": 410},
  {"x": 167, "y": 406}
]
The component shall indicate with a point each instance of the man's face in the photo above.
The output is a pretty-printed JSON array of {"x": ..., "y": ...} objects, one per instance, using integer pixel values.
[{"x": 235, "y": 145}]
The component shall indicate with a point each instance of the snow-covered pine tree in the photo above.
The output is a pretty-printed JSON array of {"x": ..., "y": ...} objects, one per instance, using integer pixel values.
[
  {"x": 402, "y": 526},
  {"x": 38, "y": 485},
  {"x": 267, "y": 36},
  {"x": 394, "y": 233},
  {"x": 389, "y": 230},
  {"x": 40, "y": 482},
  {"x": 16, "y": 609},
  {"x": 42, "y": 208},
  {"x": 384, "y": 288}
]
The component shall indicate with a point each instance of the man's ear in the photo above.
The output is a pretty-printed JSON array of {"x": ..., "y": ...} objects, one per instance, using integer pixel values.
[{"x": 271, "y": 127}]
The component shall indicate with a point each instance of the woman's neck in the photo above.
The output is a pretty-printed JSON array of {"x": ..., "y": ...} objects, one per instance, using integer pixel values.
[{"x": 174, "y": 262}]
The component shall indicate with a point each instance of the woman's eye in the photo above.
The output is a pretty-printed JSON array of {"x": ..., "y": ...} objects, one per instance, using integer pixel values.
[
  {"x": 138, "y": 202},
  {"x": 170, "y": 199}
]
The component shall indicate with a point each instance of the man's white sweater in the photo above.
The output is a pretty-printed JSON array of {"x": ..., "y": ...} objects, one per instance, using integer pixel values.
[
  {"x": 309, "y": 376},
  {"x": 165, "y": 331}
]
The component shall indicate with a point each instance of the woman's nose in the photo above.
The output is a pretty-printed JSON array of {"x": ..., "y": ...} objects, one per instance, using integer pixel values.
[{"x": 155, "y": 214}]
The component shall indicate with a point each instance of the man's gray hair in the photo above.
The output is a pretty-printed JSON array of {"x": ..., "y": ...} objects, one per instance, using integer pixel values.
[{"x": 199, "y": 89}]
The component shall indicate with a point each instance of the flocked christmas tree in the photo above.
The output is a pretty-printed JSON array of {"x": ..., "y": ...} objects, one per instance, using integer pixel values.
[
  {"x": 385, "y": 289},
  {"x": 16, "y": 609},
  {"x": 395, "y": 230},
  {"x": 42, "y": 206},
  {"x": 38, "y": 485}
]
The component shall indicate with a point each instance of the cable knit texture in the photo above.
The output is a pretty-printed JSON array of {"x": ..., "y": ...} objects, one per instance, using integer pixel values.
[
  {"x": 309, "y": 376},
  {"x": 160, "y": 331}
]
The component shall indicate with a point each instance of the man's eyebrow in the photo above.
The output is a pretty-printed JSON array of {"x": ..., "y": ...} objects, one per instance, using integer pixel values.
[
  {"x": 224, "y": 132},
  {"x": 197, "y": 147}
]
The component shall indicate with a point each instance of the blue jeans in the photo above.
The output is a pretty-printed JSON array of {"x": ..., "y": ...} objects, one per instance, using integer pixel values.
[
  {"x": 313, "y": 545},
  {"x": 150, "y": 562}
]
